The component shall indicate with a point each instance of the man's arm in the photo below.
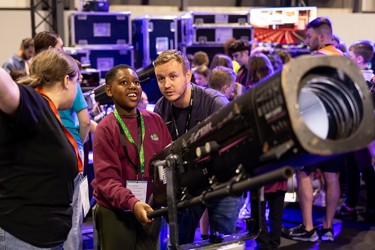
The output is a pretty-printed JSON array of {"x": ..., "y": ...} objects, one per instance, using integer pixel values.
[
  {"x": 80, "y": 107},
  {"x": 9, "y": 66}
]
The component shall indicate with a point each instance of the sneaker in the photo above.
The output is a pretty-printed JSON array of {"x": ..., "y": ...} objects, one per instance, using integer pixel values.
[
  {"x": 326, "y": 234},
  {"x": 245, "y": 212},
  {"x": 204, "y": 236},
  {"x": 346, "y": 213},
  {"x": 299, "y": 233}
]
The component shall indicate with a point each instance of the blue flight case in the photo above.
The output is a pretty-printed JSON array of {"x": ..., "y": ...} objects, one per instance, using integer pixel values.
[
  {"x": 151, "y": 36},
  {"x": 100, "y": 28},
  {"x": 103, "y": 57}
]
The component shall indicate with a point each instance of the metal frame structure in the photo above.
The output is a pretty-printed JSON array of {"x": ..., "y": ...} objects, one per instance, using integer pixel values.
[{"x": 51, "y": 12}]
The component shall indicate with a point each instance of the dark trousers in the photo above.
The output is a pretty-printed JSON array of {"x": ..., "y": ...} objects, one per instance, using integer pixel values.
[
  {"x": 188, "y": 221},
  {"x": 269, "y": 238},
  {"x": 357, "y": 162},
  {"x": 121, "y": 230},
  {"x": 352, "y": 179}
]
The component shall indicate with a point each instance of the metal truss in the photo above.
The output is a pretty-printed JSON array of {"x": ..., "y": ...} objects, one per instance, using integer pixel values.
[{"x": 47, "y": 15}]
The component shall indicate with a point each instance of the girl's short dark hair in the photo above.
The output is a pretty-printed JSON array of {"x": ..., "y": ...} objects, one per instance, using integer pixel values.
[
  {"x": 239, "y": 45},
  {"x": 112, "y": 72}
]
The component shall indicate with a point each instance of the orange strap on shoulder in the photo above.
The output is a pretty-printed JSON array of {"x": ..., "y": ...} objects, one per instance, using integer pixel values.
[{"x": 66, "y": 131}]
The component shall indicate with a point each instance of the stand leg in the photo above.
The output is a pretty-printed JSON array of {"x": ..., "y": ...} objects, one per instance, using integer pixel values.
[
  {"x": 256, "y": 212},
  {"x": 171, "y": 201}
]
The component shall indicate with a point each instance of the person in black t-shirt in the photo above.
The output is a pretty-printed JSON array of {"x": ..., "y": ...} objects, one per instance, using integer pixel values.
[
  {"x": 361, "y": 161},
  {"x": 38, "y": 157}
]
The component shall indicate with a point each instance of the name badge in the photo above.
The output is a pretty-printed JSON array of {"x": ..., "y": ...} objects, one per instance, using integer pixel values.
[
  {"x": 138, "y": 188},
  {"x": 84, "y": 191}
]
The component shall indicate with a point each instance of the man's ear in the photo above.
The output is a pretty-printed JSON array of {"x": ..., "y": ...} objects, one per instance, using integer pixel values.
[
  {"x": 360, "y": 60},
  {"x": 224, "y": 88},
  {"x": 108, "y": 90},
  {"x": 188, "y": 75},
  {"x": 322, "y": 37}
]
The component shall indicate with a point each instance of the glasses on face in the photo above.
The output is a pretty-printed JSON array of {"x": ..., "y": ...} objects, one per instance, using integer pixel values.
[{"x": 236, "y": 54}]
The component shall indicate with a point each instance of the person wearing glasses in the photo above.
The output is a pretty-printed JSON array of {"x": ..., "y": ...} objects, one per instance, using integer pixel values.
[{"x": 240, "y": 51}]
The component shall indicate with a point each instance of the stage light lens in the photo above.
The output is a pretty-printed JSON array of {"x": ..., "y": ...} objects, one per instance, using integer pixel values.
[
  {"x": 330, "y": 103},
  {"x": 314, "y": 113}
]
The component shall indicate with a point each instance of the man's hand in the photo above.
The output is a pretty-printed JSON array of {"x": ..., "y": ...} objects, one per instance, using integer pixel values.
[{"x": 140, "y": 210}]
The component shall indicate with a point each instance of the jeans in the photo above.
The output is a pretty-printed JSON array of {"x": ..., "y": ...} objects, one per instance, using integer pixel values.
[
  {"x": 222, "y": 213},
  {"x": 74, "y": 240},
  {"x": 9, "y": 242}
]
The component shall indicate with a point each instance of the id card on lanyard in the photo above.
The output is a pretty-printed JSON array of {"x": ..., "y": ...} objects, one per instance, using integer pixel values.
[
  {"x": 138, "y": 188},
  {"x": 188, "y": 117},
  {"x": 139, "y": 169}
]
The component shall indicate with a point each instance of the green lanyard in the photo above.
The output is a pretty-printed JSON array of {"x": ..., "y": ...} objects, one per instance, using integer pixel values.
[{"x": 141, "y": 124}]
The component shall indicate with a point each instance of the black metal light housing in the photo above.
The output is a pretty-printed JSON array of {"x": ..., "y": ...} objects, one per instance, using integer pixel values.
[
  {"x": 316, "y": 107},
  {"x": 329, "y": 89}
]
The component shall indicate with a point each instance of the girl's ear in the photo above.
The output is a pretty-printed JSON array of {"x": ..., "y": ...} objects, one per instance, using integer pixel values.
[{"x": 66, "y": 82}]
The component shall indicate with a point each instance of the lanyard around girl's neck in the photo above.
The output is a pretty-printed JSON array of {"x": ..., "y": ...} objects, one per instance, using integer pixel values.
[
  {"x": 141, "y": 136},
  {"x": 188, "y": 117},
  {"x": 66, "y": 131}
]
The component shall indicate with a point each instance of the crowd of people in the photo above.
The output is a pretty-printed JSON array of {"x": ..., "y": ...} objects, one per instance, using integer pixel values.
[{"x": 44, "y": 122}]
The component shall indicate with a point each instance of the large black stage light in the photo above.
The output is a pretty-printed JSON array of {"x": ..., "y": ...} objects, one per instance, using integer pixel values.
[{"x": 316, "y": 107}]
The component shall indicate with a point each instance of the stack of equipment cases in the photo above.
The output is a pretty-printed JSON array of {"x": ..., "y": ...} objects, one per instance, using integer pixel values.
[
  {"x": 106, "y": 36},
  {"x": 151, "y": 36},
  {"x": 90, "y": 76},
  {"x": 80, "y": 54},
  {"x": 212, "y": 30},
  {"x": 184, "y": 31}
]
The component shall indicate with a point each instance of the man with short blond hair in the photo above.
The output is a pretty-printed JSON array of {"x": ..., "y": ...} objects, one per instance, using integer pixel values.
[{"x": 182, "y": 107}]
